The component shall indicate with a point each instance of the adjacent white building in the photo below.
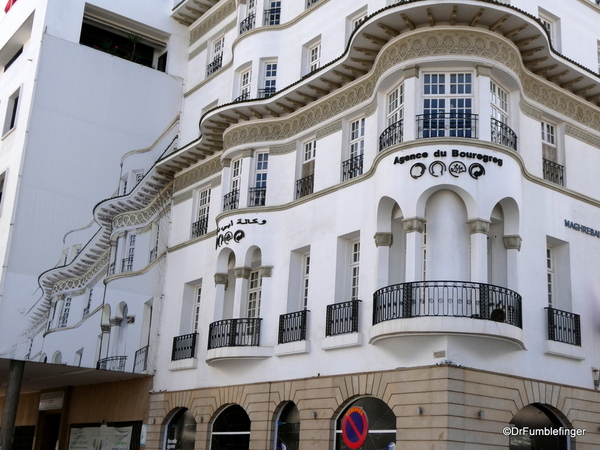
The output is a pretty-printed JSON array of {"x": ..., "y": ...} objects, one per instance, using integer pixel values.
[{"x": 329, "y": 224}]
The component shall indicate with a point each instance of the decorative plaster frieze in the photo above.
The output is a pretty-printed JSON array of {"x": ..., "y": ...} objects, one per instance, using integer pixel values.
[
  {"x": 479, "y": 226},
  {"x": 226, "y": 162},
  {"x": 371, "y": 108},
  {"x": 411, "y": 72},
  {"x": 198, "y": 50},
  {"x": 383, "y": 239},
  {"x": 582, "y": 135},
  {"x": 215, "y": 182},
  {"x": 242, "y": 272},
  {"x": 413, "y": 224},
  {"x": 282, "y": 149},
  {"x": 329, "y": 129},
  {"x": 197, "y": 174},
  {"x": 221, "y": 278},
  {"x": 142, "y": 216},
  {"x": 221, "y": 12},
  {"x": 530, "y": 111},
  {"x": 512, "y": 242},
  {"x": 177, "y": 199},
  {"x": 105, "y": 328},
  {"x": 116, "y": 321},
  {"x": 483, "y": 70},
  {"x": 247, "y": 153},
  {"x": 455, "y": 43},
  {"x": 266, "y": 271},
  {"x": 82, "y": 281}
]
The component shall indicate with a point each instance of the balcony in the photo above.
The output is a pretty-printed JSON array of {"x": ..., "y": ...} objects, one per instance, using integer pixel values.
[
  {"x": 564, "y": 327},
  {"x": 243, "y": 96},
  {"x": 248, "y": 23},
  {"x": 503, "y": 135},
  {"x": 448, "y": 307},
  {"x": 553, "y": 172},
  {"x": 272, "y": 16},
  {"x": 453, "y": 124},
  {"x": 214, "y": 65},
  {"x": 234, "y": 333},
  {"x": 140, "y": 362},
  {"x": 200, "y": 227},
  {"x": 116, "y": 363},
  {"x": 231, "y": 200},
  {"x": 258, "y": 196},
  {"x": 353, "y": 167},
  {"x": 127, "y": 264},
  {"x": 342, "y": 318},
  {"x": 292, "y": 327},
  {"x": 304, "y": 186},
  {"x": 184, "y": 347},
  {"x": 392, "y": 135},
  {"x": 266, "y": 92}
]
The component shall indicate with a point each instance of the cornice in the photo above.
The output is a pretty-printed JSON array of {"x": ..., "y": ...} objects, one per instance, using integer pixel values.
[
  {"x": 142, "y": 216},
  {"x": 76, "y": 283},
  {"x": 197, "y": 174},
  {"x": 220, "y": 13}
]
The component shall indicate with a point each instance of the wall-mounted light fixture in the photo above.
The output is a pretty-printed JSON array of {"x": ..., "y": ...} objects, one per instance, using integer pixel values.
[{"x": 596, "y": 375}]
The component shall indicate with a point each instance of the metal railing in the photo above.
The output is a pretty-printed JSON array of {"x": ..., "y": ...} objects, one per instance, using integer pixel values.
[
  {"x": 112, "y": 363},
  {"x": 200, "y": 227},
  {"x": 272, "y": 16},
  {"x": 564, "y": 327},
  {"x": 292, "y": 327},
  {"x": 304, "y": 186},
  {"x": 504, "y": 135},
  {"x": 214, "y": 65},
  {"x": 140, "y": 362},
  {"x": 231, "y": 200},
  {"x": 184, "y": 347},
  {"x": 309, "y": 3},
  {"x": 243, "y": 96},
  {"x": 342, "y": 318},
  {"x": 248, "y": 23},
  {"x": 553, "y": 172},
  {"x": 234, "y": 333},
  {"x": 352, "y": 167},
  {"x": 392, "y": 135},
  {"x": 447, "y": 298},
  {"x": 127, "y": 264},
  {"x": 453, "y": 124},
  {"x": 266, "y": 92},
  {"x": 258, "y": 196}
]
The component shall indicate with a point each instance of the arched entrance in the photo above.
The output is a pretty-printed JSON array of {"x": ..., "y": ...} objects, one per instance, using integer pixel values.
[
  {"x": 534, "y": 420},
  {"x": 380, "y": 433},
  {"x": 181, "y": 431},
  {"x": 231, "y": 430}
]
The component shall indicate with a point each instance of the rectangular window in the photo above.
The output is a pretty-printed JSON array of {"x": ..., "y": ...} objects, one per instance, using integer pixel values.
[
  {"x": 273, "y": 14},
  {"x": 305, "y": 275},
  {"x": 245, "y": 85},
  {"x": 599, "y": 56},
  {"x": 354, "y": 269},
  {"x": 236, "y": 174},
  {"x": 550, "y": 275},
  {"x": 424, "y": 253},
  {"x": 552, "y": 170},
  {"x": 127, "y": 265},
  {"x": 254, "y": 294},
  {"x": 259, "y": 192},
  {"x": 12, "y": 109},
  {"x": 357, "y": 137},
  {"x": 86, "y": 310},
  {"x": 196, "y": 310},
  {"x": 2, "y": 177},
  {"x": 154, "y": 249},
  {"x": 395, "y": 111},
  {"x": 200, "y": 226},
  {"x": 231, "y": 200},
  {"x": 270, "y": 81},
  {"x": 310, "y": 150},
  {"x": 217, "y": 56},
  {"x": 447, "y": 106},
  {"x": 13, "y": 59},
  {"x": 64, "y": 316},
  {"x": 314, "y": 57},
  {"x": 499, "y": 101}
]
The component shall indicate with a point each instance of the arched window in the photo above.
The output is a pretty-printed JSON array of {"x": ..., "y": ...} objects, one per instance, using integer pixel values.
[
  {"x": 538, "y": 417},
  {"x": 181, "y": 431},
  {"x": 57, "y": 358},
  {"x": 380, "y": 420},
  {"x": 231, "y": 430},
  {"x": 287, "y": 428}
]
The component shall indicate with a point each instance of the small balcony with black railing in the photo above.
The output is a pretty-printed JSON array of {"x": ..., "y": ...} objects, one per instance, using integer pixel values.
[
  {"x": 266, "y": 92},
  {"x": 231, "y": 200},
  {"x": 449, "y": 307},
  {"x": 236, "y": 339},
  {"x": 452, "y": 124},
  {"x": 341, "y": 325},
  {"x": 248, "y": 23},
  {"x": 353, "y": 167},
  {"x": 553, "y": 172},
  {"x": 392, "y": 135},
  {"x": 257, "y": 196},
  {"x": 116, "y": 363},
  {"x": 183, "y": 352},
  {"x": 292, "y": 333},
  {"x": 502, "y": 134},
  {"x": 272, "y": 16},
  {"x": 243, "y": 96},
  {"x": 305, "y": 186},
  {"x": 564, "y": 334},
  {"x": 215, "y": 65},
  {"x": 140, "y": 362},
  {"x": 200, "y": 227}
]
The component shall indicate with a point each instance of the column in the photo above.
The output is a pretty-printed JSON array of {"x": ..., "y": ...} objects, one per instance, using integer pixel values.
[
  {"x": 383, "y": 241},
  {"x": 482, "y": 89},
  {"x": 479, "y": 230},
  {"x": 413, "y": 227},
  {"x": 412, "y": 95},
  {"x": 512, "y": 244}
]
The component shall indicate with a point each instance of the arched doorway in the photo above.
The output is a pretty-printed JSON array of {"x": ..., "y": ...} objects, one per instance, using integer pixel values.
[
  {"x": 287, "y": 428},
  {"x": 541, "y": 417},
  {"x": 381, "y": 425},
  {"x": 231, "y": 430},
  {"x": 181, "y": 431}
]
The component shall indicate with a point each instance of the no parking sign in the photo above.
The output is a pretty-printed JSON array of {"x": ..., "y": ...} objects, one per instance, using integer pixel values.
[{"x": 355, "y": 427}]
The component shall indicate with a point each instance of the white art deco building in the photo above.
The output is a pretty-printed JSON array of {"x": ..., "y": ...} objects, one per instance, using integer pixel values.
[{"x": 340, "y": 224}]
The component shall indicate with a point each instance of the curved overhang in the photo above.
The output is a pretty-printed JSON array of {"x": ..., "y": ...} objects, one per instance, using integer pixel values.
[
  {"x": 236, "y": 353},
  {"x": 366, "y": 52}
]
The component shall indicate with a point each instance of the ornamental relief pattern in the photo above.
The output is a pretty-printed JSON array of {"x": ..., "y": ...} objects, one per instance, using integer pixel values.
[
  {"x": 139, "y": 217},
  {"x": 424, "y": 44},
  {"x": 197, "y": 174},
  {"x": 82, "y": 281},
  {"x": 227, "y": 9},
  {"x": 582, "y": 135}
]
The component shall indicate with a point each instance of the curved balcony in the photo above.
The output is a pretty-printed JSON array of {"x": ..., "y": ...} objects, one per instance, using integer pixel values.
[
  {"x": 235, "y": 339},
  {"x": 112, "y": 363},
  {"x": 392, "y": 135},
  {"x": 447, "y": 307},
  {"x": 504, "y": 135}
]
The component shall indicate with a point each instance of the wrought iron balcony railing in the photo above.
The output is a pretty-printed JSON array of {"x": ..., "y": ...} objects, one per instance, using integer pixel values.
[
  {"x": 564, "y": 327},
  {"x": 553, "y": 172},
  {"x": 342, "y": 318},
  {"x": 292, "y": 327},
  {"x": 449, "y": 299},
  {"x": 309, "y": 3},
  {"x": 231, "y": 200},
  {"x": 266, "y": 92},
  {"x": 200, "y": 227},
  {"x": 272, "y": 16},
  {"x": 258, "y": 196},
  {"x": 243, "y": 96},
  {"x": 453, "y": 124},
  {"x": 234, "y": 333},
  {"x": 392, "y": 135},
  {"x": 127, "y": 264},
  {"x": 140, "y": 362},
  {"x": 248, "y": 23},
  {"x": 184, "y": 347},
  {"x": 352, "y": 167},
  {"x": 502, "y": 134},
  {"x": 214, "y": 65},
  {"x": 304, "y": 186},
  {"x": 112, "y": 363}
]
